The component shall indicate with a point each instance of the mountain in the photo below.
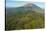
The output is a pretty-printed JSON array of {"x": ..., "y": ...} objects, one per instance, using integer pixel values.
[
  {"x": 27, "y": 7},
  {"x": 28, "y": 16}
]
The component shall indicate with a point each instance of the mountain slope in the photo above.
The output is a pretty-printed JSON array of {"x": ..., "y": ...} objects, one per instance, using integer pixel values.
[{"x": 25, "y": 17}]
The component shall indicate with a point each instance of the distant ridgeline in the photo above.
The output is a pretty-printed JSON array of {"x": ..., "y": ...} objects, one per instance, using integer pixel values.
[{"x": 28, "y": 16}]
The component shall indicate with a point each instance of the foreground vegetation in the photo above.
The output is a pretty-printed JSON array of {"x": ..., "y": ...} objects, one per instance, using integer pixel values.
[{"x": 28, "y": 20}]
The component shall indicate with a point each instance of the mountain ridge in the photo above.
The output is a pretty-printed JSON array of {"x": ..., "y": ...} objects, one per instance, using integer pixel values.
[{"x": 25, "y": 8}]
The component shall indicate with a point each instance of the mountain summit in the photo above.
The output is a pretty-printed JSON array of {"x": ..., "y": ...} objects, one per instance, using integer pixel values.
[
  {"x": 28, "y": 5},
  {"x": 33, "y": 7}
]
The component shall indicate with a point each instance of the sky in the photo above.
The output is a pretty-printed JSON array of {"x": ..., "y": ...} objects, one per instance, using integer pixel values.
[
  {"x": 27, "y": 0},
  {"x": 17, "y": 3}
]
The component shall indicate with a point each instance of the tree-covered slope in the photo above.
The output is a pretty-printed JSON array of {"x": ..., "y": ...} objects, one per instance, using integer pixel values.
[{"x": 24, "y": 18}]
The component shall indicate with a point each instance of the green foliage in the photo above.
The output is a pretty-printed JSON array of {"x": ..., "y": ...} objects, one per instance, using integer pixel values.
[{"x": 28, "y": 20}]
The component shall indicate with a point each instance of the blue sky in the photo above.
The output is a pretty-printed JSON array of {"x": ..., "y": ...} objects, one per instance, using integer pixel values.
[{"x": 16, "y": 3}]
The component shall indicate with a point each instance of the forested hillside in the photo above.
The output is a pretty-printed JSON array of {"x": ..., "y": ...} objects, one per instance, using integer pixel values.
[{"x": 24, "y": 18}]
